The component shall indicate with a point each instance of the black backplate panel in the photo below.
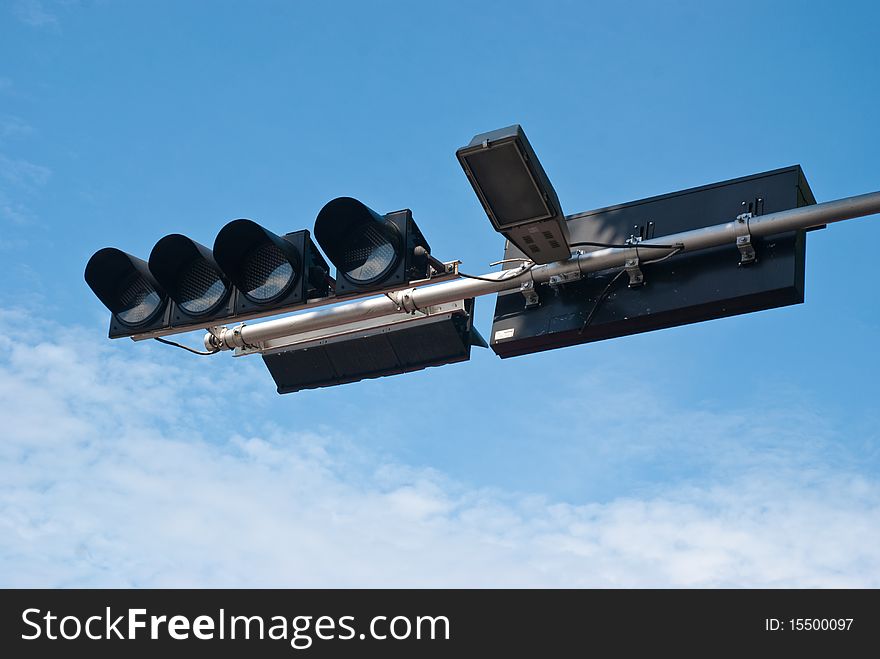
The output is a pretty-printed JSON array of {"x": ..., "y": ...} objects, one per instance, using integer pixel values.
[
  {"x": 686, "y": 288},
  {"x": 405, "y": 348}
]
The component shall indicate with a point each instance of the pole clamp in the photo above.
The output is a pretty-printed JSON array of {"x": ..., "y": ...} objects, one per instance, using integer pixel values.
[
  {"x": 636, "y": 276},
  {"x": 744, "y": 239},
  {"x": 631, "y": 265},
  {"x": 238, "y": 338},
  {"x": 530, "y": 293},
  {"x": 405, "y": 301}
]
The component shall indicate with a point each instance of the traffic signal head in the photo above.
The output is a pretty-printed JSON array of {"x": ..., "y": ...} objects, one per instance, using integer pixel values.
[
  {"x": 516, "y": 193},
  {"x": 189, "y": 274},
  {"x": 270, "y": 271},
  {"x": 370, "y": 251},
  {"x": 125, "y": 285}
]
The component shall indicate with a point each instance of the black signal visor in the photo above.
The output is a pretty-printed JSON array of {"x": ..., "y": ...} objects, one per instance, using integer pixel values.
[
  {"x": 125, "y": 285},
  {"x": 261, "y": 264},
  {"x": 188, "y": 271},
  {"x": 364, "y": 246}
]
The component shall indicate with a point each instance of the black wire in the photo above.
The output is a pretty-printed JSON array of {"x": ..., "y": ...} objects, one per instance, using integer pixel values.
[
  {"x": 605, "y": 291},
  {"x": 600, "y": 300},
  {"x": 639, "y": 245},
  {"x": 180, "y": 345},
  {"x": 522, "y": 271},
  {"x": 677, "y": 248}
]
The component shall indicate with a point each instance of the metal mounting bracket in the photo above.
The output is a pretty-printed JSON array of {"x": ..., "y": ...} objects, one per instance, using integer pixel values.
[
  {"x": 564, "y": 278},
  {"x": 238, "y": 339},
  {"x": 527, "y": 288},
  {"x": 744, "y": 239},
  {"x": 636, "y": 276},
  {"x": 214, "y": 338},
  {"x": 631, "y": 265},
  {"x": 404, "y": 301}
]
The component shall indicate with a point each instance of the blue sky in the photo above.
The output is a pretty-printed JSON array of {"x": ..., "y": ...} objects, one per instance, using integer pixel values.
[{"x": 743, "y": 451}]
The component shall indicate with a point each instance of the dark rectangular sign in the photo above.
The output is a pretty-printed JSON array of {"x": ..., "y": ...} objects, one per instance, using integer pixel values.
[
  {"x": 382, "y": 351},
  {"x": 684, "y": 289}
]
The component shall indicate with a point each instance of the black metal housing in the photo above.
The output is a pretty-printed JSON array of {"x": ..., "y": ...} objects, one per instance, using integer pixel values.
[
  {"x": 237, "y": 241},
  {"x": 516, "y": 193},
  {"x": 109, "y": 273},
  {"x": 684, "y": 289},
  {"x": 344, "y": 217},
  {"x": 410, "y": 346},
  {"x": 169, "y": 262}
]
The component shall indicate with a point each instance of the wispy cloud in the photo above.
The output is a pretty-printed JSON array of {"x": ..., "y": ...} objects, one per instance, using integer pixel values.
[
  {"x": 11, "y": 126},
  {"x": 19, "y": 178},
  {"x": 23, "y": 174},
  {"x": 34, "y": 13},
  {"x": 121, "y": 468},
  {"x": 14, "y": 213}
]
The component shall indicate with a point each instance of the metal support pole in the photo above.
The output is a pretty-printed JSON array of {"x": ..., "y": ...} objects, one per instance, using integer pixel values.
[{"x": 412, "y": 299}]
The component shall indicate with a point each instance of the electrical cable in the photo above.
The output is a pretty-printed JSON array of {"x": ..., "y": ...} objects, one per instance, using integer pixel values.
[
  {"x": 606, "y": 291},
  {"x": 676, "y": 249},
  {"x": 600, "y": 300},
  {"x": 517, "y": 259},
  {"x": 187, "y": 348},
  {"x": 623, "y": 245},
  {"x": 516, "y": 273}
]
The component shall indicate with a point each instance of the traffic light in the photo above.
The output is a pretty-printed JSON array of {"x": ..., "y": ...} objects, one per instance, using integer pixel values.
[
  {"x": 371, "y": 252},
  {"x": 187, "y": 271},
  {"x": 271, "y": 272},
  {"x": 129, "y": 290},
  {"x": 686, "y": 288},
  {"x": 516, "y": 193},
  {"x": 251, "y": 272}
]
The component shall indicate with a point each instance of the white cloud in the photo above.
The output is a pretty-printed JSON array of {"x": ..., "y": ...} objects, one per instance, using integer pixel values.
[
  {"x": 34, "y": 13},
  {"x": 15, "y": 214},
  {"x": 25, "y": 177},
  {"x": 122, "y": 467},
  {"x": 23, "y": 174},
  {"x": 11, "y": 126}
]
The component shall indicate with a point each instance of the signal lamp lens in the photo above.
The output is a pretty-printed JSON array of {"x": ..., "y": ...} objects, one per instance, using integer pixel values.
[
  {"x": 138, "y": 302},
  {"x": 266, "y": 273},
  {"x": 201, "y": 288},
  {"x": 367, "y": 255}
]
